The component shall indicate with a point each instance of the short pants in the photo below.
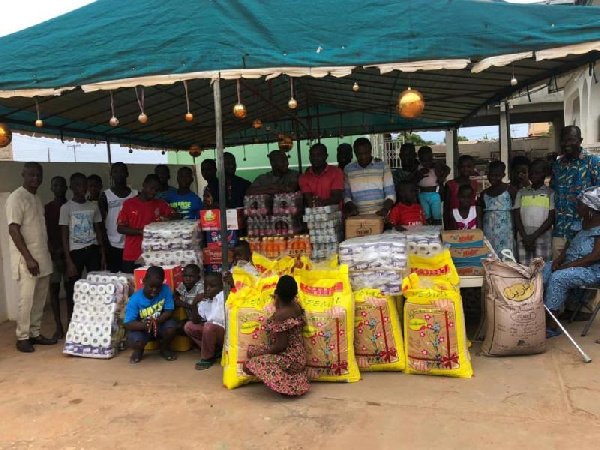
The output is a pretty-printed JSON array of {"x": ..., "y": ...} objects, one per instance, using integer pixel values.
[
  {"x": 134, "y": 337},
  {"x": 431, "y": 203},
  {"x": 59, "y": 273}
]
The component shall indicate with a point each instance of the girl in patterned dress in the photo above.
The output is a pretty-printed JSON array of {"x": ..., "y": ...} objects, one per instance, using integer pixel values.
[
  {"x": 497, "y": 203},
  {"x": 281, "y": 364}
]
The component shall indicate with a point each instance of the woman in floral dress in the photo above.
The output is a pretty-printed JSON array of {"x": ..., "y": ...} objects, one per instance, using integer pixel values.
[{"x": 281, "y": 364}]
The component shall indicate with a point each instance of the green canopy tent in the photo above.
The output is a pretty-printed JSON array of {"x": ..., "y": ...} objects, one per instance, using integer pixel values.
[{"x": 461, "y": 54}]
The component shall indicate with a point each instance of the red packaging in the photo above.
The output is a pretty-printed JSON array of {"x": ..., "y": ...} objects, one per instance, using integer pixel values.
[
  {"x": 173, "y": 276},
  {"x": 213, "y": 254},
  {"x": 210, "y": 219}
]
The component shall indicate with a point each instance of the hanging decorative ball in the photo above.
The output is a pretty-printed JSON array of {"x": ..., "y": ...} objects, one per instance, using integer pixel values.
[
  {"x": 130, "y": 150},
  {"x": 39, "y": 123},
  {"x": 189, "y": 117},
  {"x": 410, "y": 103},
  {"x": 162, "y": 153},
  {"x": 285, "y": 142},
  {"x": 5, "y": 135},
  {"x": 257, "y": 124},
  {"x": 114, "y": 122},
  {"x": 195, "y": 151},
  {"x": 142, "y": 118},
  {"x": 292, "y": 104},
  {"x": 239, "y": 111},
  {"x": 356, "y": 87},
  {"x": 513, "y": 81}
]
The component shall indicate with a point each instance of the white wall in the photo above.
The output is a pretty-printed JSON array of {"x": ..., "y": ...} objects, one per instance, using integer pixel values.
[{"x": 582, "y": 105}]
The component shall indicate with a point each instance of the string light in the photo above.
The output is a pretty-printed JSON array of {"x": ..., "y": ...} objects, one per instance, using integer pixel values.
[
  {"x": 188, "y": 116},
  {"x": 113, "y": 119},
  {"x": 356, "y": 87},
  {"x": 142, "y": 118},
  {"x": 39, "y": 122},
  {"x": 239, "y": 110},
  {"x": 292, "y": 103}
]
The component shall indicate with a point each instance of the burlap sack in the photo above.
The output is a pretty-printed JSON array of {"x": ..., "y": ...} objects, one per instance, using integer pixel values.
[{"x": 514, "y": 309}]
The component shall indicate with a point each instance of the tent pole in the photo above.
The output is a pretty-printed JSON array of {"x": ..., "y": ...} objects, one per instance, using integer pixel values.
[
  {"x": 505, "y": 137},
  {"x": 221, "y": 173},
  {"x": 299, "y": 150},
  {"x": 450, "y": 156},
  {"x": 108, "y": 152}
]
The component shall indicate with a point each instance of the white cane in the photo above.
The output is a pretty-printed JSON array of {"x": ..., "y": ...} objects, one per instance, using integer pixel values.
[{"x": 586, "y": 358}]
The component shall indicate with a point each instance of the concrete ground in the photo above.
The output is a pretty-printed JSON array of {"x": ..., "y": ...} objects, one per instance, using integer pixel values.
[{"x": 48, "y": 400}]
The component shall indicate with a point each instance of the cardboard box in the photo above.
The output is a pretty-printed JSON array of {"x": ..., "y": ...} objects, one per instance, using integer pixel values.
[
  {"x": 470, "y": 271},
  {"x": 464, "y": 253},
  {"x": 212, "y": 268},
  {"x": 210, "y": 219},
  {"x": 213, "y": 255},
  {"x": 173, "y": 276},
  {"x": 360, "y": 226},
  {"x": 463, "y": 238},
  {"x": 214, "y": 238}
]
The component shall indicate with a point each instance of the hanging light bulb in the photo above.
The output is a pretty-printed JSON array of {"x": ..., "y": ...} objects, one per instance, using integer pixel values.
[
  {"x": 142, "y": 118},
  {"x": 239, "y": 110},
  {"x": 5, "y": 135},
  {"x": 113, "y": 120},
  {"x": 188, "y": 116},
  {"x": 410, "y": 103},
  {"x": 292, "y": 103},
  {"x": 39, "y": 122},
  {"x": 356, "y": 87},
  {"x": 257, "y": 124},
  {"x": 130, "y": 150},
  {"x": 513, "y": 81}
]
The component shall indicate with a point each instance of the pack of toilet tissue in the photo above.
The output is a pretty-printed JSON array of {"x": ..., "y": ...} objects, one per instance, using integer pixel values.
[
  {"x": 175, "y": 243},
  {"x": 423, "y": 240},
  {"x": 96, "y": 327}
]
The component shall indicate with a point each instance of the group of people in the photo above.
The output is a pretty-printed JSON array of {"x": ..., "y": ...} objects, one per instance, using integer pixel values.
[{"x": 98, "y": 229}]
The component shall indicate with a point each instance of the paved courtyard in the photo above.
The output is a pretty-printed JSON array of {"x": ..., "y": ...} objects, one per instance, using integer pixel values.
[{"x": 52, "y": 401}]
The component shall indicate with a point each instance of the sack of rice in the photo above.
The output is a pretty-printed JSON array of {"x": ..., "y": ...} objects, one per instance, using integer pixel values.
[
  {"x": 514, "y": 309},
  {"x": 434, "y": 326},
  {"x": 377, "y": 333},
  {"x": 329, "y": 331}
]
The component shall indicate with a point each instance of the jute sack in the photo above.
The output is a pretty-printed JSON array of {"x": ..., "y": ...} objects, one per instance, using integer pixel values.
[{"x": 514, "y": 309}]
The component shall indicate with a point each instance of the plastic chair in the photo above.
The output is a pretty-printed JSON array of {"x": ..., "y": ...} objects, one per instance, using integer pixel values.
[{"x": 588, "y": 296}]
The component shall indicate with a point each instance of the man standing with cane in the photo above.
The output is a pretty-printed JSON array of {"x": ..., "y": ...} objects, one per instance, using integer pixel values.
[{"x": 30, "y": 258}]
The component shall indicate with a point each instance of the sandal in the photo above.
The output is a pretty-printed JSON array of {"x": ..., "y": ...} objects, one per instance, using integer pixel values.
[
  {"x": 550, "y": 333},
  {"x": 204, "y": 364},
  {"x": 168, "y": 355},
  {"x": 136, "y": 357}
]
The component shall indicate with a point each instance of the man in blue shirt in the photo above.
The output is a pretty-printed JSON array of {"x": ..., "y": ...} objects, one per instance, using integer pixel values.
[
  {"x": 164, "y": 175},
  {"x": 183, "y": 200},
  {"x": 148, "y": 316}
]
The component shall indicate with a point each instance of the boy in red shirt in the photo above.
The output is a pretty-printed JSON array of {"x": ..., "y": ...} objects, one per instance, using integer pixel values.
[
  {"x": 137, "y": 212},
  {"x": 407, "y": 211}
]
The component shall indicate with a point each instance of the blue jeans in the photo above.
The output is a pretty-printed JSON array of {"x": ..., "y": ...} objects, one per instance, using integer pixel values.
[
  {"x": 135, "y": 338},
  {"x": 431, "y": 203},
  {"x": 558, "y": 284}
]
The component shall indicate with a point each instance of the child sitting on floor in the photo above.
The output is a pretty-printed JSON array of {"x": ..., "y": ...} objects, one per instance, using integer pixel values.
[
  {"x": 207, "y": 326},
  {"x": 242, "y": 258},
  {"x": 466, "y": 216},
  {"x": 189, "y": 289},
  {"x": 407, "y": 211},
  {"x": 497, "y": 202},
  {"x": 148, "y": 316}
]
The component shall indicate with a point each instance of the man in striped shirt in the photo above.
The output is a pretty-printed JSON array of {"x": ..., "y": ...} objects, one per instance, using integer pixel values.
[{"x": 369, "y": 186}]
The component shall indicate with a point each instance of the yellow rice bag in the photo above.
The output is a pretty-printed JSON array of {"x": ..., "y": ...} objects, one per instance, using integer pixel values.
[
  {"x": 434, "y": 326},
  {"x": 266, "y": 266},
  {"x": 242, "y": 278},
  {"x": 247, "y": 311},
  {"x": 329, "y": 332},
  {"x": 377, "y": 333},
  {"x": 307, "y": 264},
  {"x": 436, "y": 268}
]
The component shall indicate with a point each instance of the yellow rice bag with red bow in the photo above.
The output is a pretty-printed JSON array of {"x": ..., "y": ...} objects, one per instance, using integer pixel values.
[
  {"x": 434, "y": 329},
  {"x": 328, "y": 334},
  {"x": 437, "y": 268},
  {"x": 266, "y": 266},
  {"x": 247, "y": 311},
  {"x": 378, "y": 342}
]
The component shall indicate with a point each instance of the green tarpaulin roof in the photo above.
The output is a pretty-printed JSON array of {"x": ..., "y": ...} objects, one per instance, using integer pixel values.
[{"x": 326, "y": 46}]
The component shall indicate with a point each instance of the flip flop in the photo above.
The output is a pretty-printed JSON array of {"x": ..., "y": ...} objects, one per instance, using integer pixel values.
[
  {"x": 168, "y": 355},
  {"x": 136, "y": 357},
  {"x": 553, "y": 333},
  {"x": 204, "y": 364}
]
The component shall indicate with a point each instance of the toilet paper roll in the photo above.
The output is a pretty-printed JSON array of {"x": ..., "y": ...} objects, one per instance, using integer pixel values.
[
  {"x": 110, "y": 289},
  {"x": 76, "y": 338},
  {"x": 82, "y": 286},
  {"x": 435, "y": 248},
  {"x": 423, "y": 249},
  {"x": 104, "y": 279},
  {"x": 85, "y": 340},
  {"x": 105, "y": 341},
  {"x": 412, "y": 247},
  {"x": 93, "y": 289},
  {"x": 101, "y": 289}
]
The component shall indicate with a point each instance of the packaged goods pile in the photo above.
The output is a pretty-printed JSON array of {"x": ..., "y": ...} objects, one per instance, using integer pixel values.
[
  {"x": 172, "y": 243},
  {"x": 468, "y": 249},
  {"x": 376, "y": 262},
  {"x": 279, "y": 247},
  {"x": 423, "y": 240},
  {"x": 96, "y": 327},
  {"x": 277, "y": 216},
  {"x": 325, "y": 228}
]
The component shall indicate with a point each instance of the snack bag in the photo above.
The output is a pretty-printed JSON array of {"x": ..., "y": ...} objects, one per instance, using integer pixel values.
[
  {"x": 329, "y": 332},
  {"x": 434, "y": 326},
  {"x": 377, "y": 334},
  {"x": 438, "y": 268},
  {"x": 514, "y": 309},
  {"x": 247, "y": 311}
]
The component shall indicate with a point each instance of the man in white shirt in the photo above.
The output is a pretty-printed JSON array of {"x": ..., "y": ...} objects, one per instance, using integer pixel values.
[{"x": 30, "y": 257}]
